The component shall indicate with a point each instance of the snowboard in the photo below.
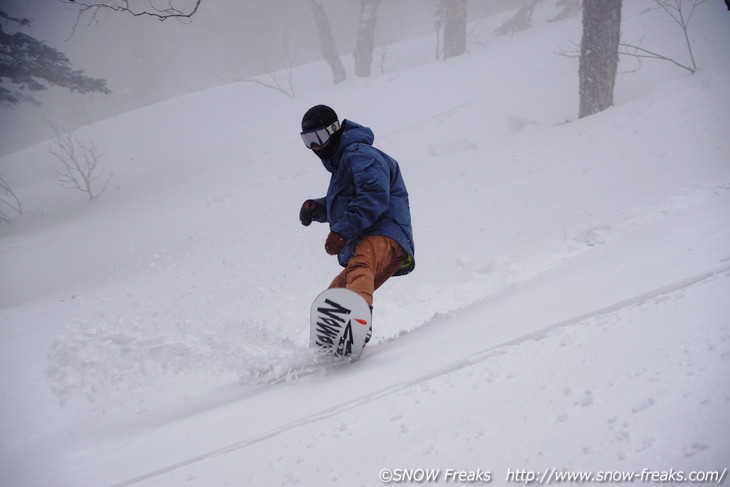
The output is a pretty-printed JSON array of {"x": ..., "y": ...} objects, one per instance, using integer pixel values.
[{"x": 340, "y": 323}]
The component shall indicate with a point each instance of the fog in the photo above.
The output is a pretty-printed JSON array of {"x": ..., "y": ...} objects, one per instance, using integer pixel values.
[{"x": 145, "y": 60}]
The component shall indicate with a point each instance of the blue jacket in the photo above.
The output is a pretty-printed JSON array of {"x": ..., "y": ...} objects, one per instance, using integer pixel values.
[{"x": 366, "y": 195}]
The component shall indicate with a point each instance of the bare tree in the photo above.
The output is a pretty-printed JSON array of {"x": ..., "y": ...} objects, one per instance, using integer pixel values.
[
  {"x": 451, "y": 16},
  {"x": 9, "y": 201},
  {"x": 329, "y": 49},
  {"x": 568, "y": 8},
  {"x": 274, "y": 80},
  {"x": 455, "y": 28},
  {"x": 180, "y": 9},
  {"x": 383, "y": 53},
  {"x": 366, "y": 37},
  {"x": 79, "y": 164},
  {"x": 520, "y": 21},
  {"x": 682, "y": 16},
  {"x": 599, "y": 54}
]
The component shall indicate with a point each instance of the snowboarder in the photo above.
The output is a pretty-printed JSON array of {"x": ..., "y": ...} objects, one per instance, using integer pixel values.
[{"x": 366, "y": 204}]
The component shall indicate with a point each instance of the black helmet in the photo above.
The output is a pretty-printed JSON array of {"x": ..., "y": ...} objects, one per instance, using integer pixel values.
[
  {"x": 321, "y": 131},
  {"x": 317, "y": 117}
]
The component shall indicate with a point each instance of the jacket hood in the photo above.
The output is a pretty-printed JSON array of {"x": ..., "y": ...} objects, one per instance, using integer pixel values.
[{"x": 351, "y": 133}]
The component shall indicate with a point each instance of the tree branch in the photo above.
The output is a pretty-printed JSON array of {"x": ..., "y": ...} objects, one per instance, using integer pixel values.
[
  {"x": 79, "y": 164},
  {"x": 10, "y": 199},
  {"x": 640, "y": 52},
  {"x": 275, "y": 83},
  {"x": 167, "y": 12},
  {"x": 675, "y": 9}
]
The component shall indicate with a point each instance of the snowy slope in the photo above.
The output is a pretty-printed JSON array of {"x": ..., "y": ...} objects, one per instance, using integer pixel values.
[{"x": 568, "y": 311}]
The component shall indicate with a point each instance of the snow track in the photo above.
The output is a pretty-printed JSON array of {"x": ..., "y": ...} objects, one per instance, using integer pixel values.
[
  {"x": 620, "y": 274},
  {"x": 448, "y": 368},
  {"x": 400, "y": 363},
  {"x": 722, "y": 272}
]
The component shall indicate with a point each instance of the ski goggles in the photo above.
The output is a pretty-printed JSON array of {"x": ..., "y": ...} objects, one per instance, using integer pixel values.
[{"x": 320, "y": 136}]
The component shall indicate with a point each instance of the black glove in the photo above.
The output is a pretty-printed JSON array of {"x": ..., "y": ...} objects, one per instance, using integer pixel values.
[{"x": 311, "y": 210}]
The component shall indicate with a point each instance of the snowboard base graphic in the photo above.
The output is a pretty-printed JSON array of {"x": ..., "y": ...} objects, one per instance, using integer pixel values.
[{"x": 340, "y": 323}]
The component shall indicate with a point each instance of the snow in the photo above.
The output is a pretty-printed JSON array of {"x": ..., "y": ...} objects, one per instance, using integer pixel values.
[{"x": 568, "y": 310}]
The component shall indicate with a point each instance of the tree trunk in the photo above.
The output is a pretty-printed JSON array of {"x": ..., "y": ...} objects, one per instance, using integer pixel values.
[
  {"x": 598, "y": 54},
  {"x": 520, "y": 21},
  {"x": 366, "y": 37},
  {"x": 454, "y": 12},
  {"x": 329, "y": 50}
]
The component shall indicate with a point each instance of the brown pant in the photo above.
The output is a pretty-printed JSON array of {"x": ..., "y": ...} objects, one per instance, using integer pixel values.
[{"x": 376, "y": 259}]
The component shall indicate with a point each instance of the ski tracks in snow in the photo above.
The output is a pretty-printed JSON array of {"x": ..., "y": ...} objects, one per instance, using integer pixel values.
[
  {"x": 649, "y": 297},
  {"x": 619, "y": 269}
]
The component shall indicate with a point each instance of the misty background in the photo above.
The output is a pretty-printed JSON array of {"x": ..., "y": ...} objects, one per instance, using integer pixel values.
[{"x": 145, "y": 61}]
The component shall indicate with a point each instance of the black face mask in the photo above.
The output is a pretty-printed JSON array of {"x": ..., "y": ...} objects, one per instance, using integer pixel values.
[{"x": 330, "y": 149}]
